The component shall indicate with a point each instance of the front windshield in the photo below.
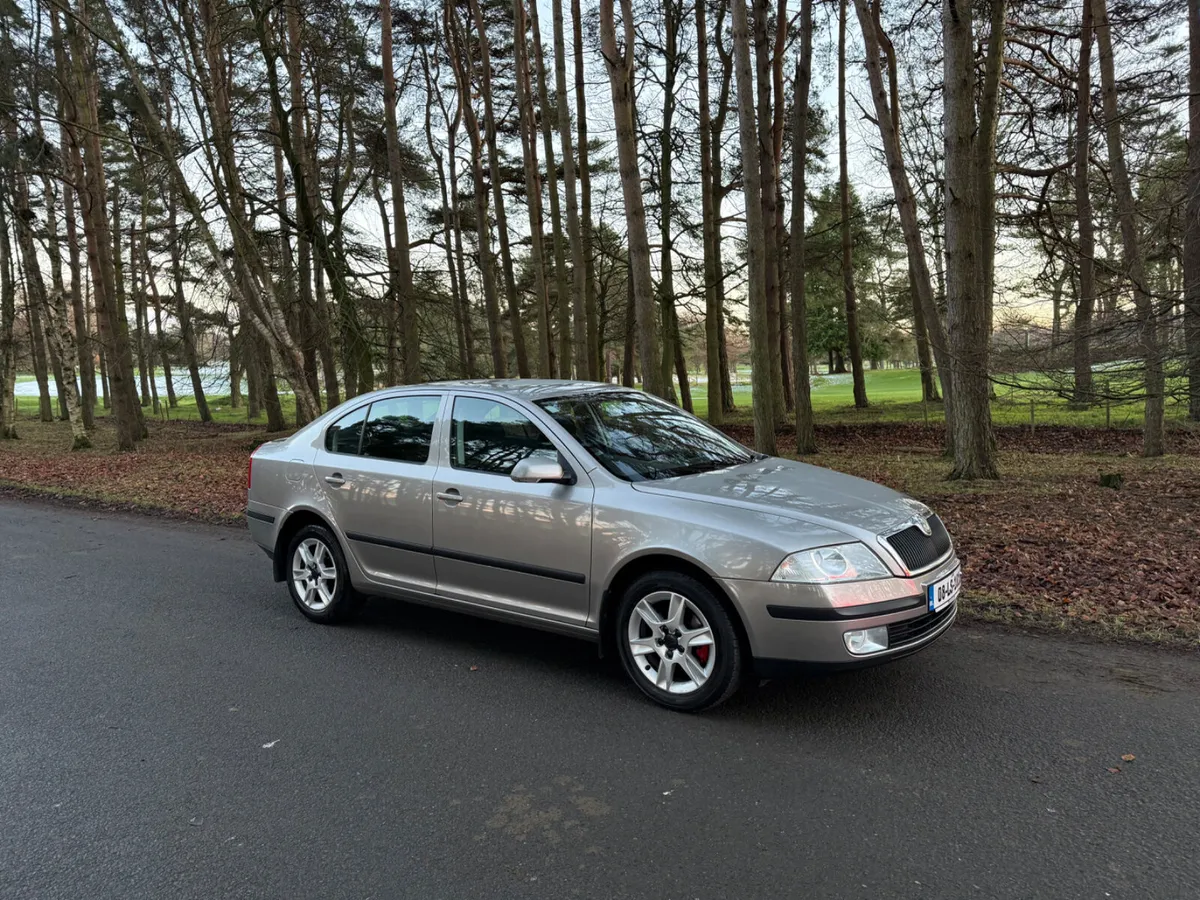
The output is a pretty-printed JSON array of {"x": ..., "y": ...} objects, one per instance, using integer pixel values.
[{"x": 637, "y": 437}]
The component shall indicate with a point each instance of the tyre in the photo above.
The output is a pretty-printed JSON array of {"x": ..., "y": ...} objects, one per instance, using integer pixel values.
[
  {"x": 677, "y": 642},
  {"x": 318, "y": 578}
]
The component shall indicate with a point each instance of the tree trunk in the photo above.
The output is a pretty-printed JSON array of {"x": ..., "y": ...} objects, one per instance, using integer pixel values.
[
  {"x": 236, "y": 338},
  {"x": 37, "y": 352},
  {"x": 83, "y": 344},
  {"x": 8, "y": 316},
  {"x": 666, "y": 268},
  {"x": 851, "y": 299},
  {"x": 806, "y": 438},
  {"x": 989, "y": 119},
  {"x": 562, "y": 363},
  {"x": 138, "y": 295},
  {"x": 506, "y": 263},
  {"x": 781, "y": 228},
  {"x": 712, "y": 309},
  {"x": 533, "y": 187},
  {"x": 1153, "y": 439},
  {"x": 768, "y": 178},
  {"x": 719, "y": 191},
  {"x": 762, "y": 388},
  {"x": 270, "y": 393},
  {"x": 463, "y": 70},
  {"x": 459, "y": 262},
  {"x": 966, "y": 307},
  {"x": 458, "y": 288},
  {"x": 627, "y": 361},
  {"x": 160, "y": 344},
  {"x": 93, "y": 196},
  {"x": 929, "y": 389},
  {"x": 887, "y": 114},
  {"x": 50, "y": 327},
  {"x": 187, "y": 335},
  {"x": 577, "y": 342},
  {"x": 401, "y": 265},
  {"x": 1191, "y": 234},
  {"x": 591, "y": 305},
  {"x": 308, "y": 319},
  {"x": 254, "y": 381},
  {"x": 620, "y": 76},
  {"x": 105, "y": 390}
]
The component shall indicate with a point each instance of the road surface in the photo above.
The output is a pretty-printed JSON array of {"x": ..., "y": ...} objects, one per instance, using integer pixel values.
[{"x": 170, "y": 727}]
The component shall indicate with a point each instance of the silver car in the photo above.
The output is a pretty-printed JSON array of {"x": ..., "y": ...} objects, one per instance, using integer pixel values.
[{"x": 606, "y": 514}]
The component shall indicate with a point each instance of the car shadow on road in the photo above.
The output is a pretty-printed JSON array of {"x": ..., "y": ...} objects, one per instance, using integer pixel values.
[{"x": 887, "y": 693}]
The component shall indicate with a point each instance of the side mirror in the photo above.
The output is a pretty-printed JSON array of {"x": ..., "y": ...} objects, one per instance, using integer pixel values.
[{"x": 541, "y": 470}]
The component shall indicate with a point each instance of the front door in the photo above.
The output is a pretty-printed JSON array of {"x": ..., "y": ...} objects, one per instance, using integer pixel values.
[
  {"x": 377, "y": 470},
  {"x": 524, "y": 548}
]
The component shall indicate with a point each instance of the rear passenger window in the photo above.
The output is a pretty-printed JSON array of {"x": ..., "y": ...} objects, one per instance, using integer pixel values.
[
  {"x": 401, "y": 428},
  {"x": 343, "y": 435},
  {"x": 487, "y": 436}
]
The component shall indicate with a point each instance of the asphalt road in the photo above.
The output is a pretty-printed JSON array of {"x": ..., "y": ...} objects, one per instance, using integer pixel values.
[{"x": 170, "y": 727}]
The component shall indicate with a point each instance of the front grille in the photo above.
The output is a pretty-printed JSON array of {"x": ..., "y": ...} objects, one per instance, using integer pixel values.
[
  {"x": 918, "y": 550},
  {"x": 910, "y": 631}
]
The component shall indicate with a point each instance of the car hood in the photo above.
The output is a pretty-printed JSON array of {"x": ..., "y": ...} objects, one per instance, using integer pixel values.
[{"x": 797, "y": 490}]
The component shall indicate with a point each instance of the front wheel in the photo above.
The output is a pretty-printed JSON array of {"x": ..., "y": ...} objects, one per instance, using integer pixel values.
[
  {"x": 318, "y": 578},
  {"x": 678, "y": 643}
]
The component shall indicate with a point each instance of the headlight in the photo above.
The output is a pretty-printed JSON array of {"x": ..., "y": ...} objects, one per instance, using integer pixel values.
[{"x": 826, "y": 565}]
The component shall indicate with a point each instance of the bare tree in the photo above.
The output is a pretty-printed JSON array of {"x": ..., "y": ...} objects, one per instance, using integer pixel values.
[
  {"x": 8, "y": 316},
  {"x": 400, "y": 263},
  {"x": 708, "y": 212},
  {"x": 966, "y": 307},
  {"x": 806, "y": 441},
  {"x": 1191, "y": 235},
  {"x": 489, "y": 121},
  {"x": 886, "y": 101},
  {"x": 1153, "y": 431},
  {"x": 851, "y": 300},
  {"x": 591, "y": 312},
  {"x": 620, "y": 76},
  {"x": 1086, "y": 262},
  {"x": 756, "y": 288},
  {"x": 533, "y": 185},
  {"x": 578, "y": 265}
]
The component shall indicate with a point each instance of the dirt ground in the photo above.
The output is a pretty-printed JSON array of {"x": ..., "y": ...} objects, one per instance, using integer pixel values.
[{"x": 1045, "y": 546}]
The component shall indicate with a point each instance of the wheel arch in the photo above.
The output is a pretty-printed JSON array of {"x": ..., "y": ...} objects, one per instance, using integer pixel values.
[
  {"x": 660, "y": 561},
  {"x": 294, "y": 521}
]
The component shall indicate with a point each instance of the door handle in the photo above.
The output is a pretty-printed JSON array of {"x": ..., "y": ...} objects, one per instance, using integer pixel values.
[
  {"x": 335, "y": 479},
  {"x": 450, "y": 496}
]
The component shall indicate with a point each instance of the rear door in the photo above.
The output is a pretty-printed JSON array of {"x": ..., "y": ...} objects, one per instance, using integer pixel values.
[
  {"x": 377, "y": 467},
  {"x": 524, "y": 548}
]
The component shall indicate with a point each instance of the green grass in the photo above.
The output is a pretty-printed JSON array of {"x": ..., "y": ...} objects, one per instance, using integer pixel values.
[
  {"x": 218, "y": 407},
  {"x": 894, "y": 395}
]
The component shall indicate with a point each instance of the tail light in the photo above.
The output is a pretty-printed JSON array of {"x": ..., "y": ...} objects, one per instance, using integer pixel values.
[{"x": 250, "y": 471}]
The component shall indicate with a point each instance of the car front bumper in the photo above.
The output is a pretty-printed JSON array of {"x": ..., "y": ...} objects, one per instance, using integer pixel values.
[{"x": 803, "y": 625}]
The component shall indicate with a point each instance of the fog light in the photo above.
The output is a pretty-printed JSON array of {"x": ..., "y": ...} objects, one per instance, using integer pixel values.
[{"x": 869, "y": 640}]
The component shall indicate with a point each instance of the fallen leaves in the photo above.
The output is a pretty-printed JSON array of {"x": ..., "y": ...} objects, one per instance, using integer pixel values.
[
  {"x": 1045, "y": 542},
  {"x": 1128, "y": 757}
]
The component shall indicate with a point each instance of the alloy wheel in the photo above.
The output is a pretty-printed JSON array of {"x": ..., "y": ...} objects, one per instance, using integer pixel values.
[
  {"x": 314, "y": 574},
  {"x": 672, "y": 643}
]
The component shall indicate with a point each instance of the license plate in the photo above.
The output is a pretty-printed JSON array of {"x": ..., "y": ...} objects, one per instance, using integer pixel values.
[{"x": 942, "y": 593}]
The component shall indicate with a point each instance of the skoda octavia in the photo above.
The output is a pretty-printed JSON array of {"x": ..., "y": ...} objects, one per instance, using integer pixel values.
[{"x": 607, "y": 514}]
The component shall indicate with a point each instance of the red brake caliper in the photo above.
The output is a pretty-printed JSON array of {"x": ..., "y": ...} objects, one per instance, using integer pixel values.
[{"x": 702, "y": 654}]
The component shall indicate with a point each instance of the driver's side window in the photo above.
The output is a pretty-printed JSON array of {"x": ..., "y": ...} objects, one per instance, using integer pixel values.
[{"x": 489, "y": 436}]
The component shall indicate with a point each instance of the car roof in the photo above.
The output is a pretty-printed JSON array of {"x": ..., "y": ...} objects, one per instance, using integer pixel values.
[{"x": 529, "y": 389}]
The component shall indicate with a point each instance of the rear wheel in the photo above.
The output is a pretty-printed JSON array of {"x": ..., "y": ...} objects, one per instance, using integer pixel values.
[
  {"x": 677, "y": 642},
  {"x": 318, "y": 579}
]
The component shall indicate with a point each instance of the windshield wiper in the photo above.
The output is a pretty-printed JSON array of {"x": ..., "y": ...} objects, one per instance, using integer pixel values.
[{"x": 698, "y": 468}]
